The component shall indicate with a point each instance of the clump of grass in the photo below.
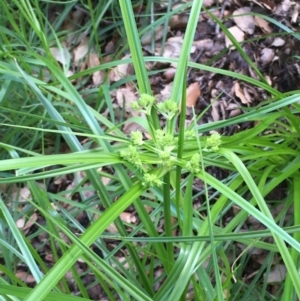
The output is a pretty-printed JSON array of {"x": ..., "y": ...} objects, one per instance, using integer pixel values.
[{"x": 157, "y": 172}]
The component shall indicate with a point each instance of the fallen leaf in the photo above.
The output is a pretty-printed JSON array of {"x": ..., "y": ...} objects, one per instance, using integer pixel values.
[
  {"x": 110, "y": 47},
  {"x": 21, "y": 195},
  {"x": 165, "y": 93},
  {"x": 247, "y": 94},
  {"x": 128, "y": 217},
  {"x": 178, "y": 21},
  {"x": 295, "y": 13},
  {"x": 277, "y": 274},
  {"x": 286, "y": 5},
  {"x": 237, "y": 33},
  {"x": 235, "y": 112},
  {"x": 119, "y": 71},
  {"x": 263, "y": 24},
  {"x": 125, "y": 96},
  {"x": 62, "y": 55},
  {"x": 267, "y": 55},
  {"x": 81, "y": 50},
  {"x": 158, "y": 34},
  {"x": 171, "y": 50},
  {"x": 215, "y": 109},
  {"x": 278, "y": 42},
  {"x": 268, "y": 4},
  {"x": 93, "y": 61},
  {"x": 71, "y": 24},
  {"x": 205, "y": 44},
  {"x": 192, "y": 94},
  {"x": 49, "y": 257},
  {"x": 31, "y": 221},
  {"x": 21, "y": 222},
  {"x": 244, "y": 22},
  {"x": 169, "y": 73},
  {"x": 130, "y": 126},
  {"x": 239, "y": 93},
  {"x": 25, "y": 277},
  {"x": 207, "y": 3}
]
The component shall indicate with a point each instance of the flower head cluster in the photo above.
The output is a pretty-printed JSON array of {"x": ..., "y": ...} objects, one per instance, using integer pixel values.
[
  {"x": 213, "y": 142},
  {"x": 136, "y": 138},
  {"x": 151, "y": 180},
  {"x": 189, "y": 134},
  {"x": 168, "y": 108},
  {"x": 165, "y": 139},
  {"x": 132, "y": 156},
  {"x": 144, "y": 104},
  {"x": 194, "y": 164}
]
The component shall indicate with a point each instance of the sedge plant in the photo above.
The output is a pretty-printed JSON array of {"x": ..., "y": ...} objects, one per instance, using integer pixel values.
[{"x": 154, "y": 168}]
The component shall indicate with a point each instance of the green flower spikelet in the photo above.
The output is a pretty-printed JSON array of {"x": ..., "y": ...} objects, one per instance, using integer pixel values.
[
  {"x": 213, "y": 142},
  {"x": 151, "y": 180},
  {"x": 168, "y": 108},
  {"x": 194, "y": 164},
  {"x": 132, "y": 156},
  {"x": 136, "y": 137}
]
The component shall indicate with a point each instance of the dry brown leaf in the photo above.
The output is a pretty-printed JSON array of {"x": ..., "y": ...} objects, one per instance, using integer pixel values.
[
  {"x": 268, "y": 79},
  {"x": 165, "y": 93},
  {"x": 71, "y": 25},
  {"x": 31, "y": 221},
  {"x": 158, "y": 34},
  {"x": 21, "y": 195},
  {"x": 247, "y": 94},
  {"x": 125, "y": 96},
  {"x": 267, "y": 55},
  {"x": 178, "y": 21},
  {"x": 98, "y": 76},
  {"x": 62, "y": 55},
  {"x": 205, "y": 44},
  {"x": 215, "y": 109},
  {"x": 110, "y": 47},
  {"x": 278, "y": 42},
  {"x": 295, "y": 13},
  {"x": 81, "y": 50},
  {"x": 207, "y": 3},
  {"x": 169, "y": 73},
  {"x": 268, "y": 4},
  {"x": 245, "y": 22},
  {"x": 128, "y": 217},
  {"x": 237, "y": 33},
  {"x": 286, "y": 5},
  {"x": 171, "y": 49},
  {"x": 49, "y": 257},
  {"x": 119, "y": 71},
  {"x": 21, "y": 222},
  {"x": 252, "y": 73},
  {"x": 192, "y": 94},
  {"x": 277, "y": 274},
  {"x": 236, "y": 209},
  {"x": 235, "y": 112},
  {"x": 112, "y": 228},
  {"x": 263, "y": 24},
  {"x": 24, "y": 277},
  {"x": 239, "y": 93},
  {"x": 130, "y": 126}
]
